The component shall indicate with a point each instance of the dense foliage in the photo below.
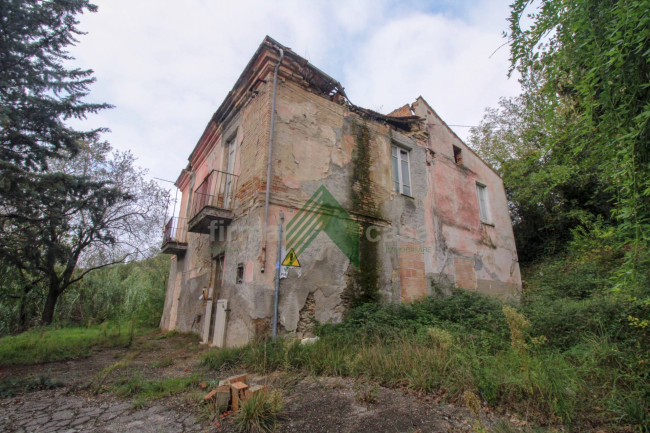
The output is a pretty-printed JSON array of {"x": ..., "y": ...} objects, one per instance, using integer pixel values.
[
  {"x": 574, "y": 148},
  {"x": 128, "y": 292},
  {"x": 37, "y": 92},
  {"x": 574, "y": 152},
  {"x": 124, "y": 293}
]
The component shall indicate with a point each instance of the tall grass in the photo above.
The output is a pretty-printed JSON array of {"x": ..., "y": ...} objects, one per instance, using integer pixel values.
[
  {"x": 124, "y": 292},
  {"x": 260, "y": 412},
  {"x": 466, "y": 343}
]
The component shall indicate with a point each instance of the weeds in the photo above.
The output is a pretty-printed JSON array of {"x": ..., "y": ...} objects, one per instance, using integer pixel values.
[
  {"x": 222, "y": 359},
  {"x": 473, "y": 403},
  {"x": 143, "y": 390},
  {"x": 18, "y": 385},
  {"x": 100, "y": 378},
  {"x": 260, "y": 412},
  {"x": 161, "y": 363},
  {"x": 366, "y": 393},
  {"x": 166, "y": 335}
]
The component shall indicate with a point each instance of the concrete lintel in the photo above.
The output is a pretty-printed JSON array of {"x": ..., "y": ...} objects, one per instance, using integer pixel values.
[{"x": 402, "y": 140}]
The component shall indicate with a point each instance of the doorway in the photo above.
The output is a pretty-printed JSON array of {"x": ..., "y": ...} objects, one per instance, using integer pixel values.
[{"x": 212, "y": 292}]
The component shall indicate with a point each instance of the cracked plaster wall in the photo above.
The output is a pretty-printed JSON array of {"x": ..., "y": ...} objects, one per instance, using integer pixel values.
[{"x": 435, "y": 235}]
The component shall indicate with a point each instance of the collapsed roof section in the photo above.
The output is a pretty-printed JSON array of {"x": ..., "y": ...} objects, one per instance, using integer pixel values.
[{"x": 298, "y": 68}]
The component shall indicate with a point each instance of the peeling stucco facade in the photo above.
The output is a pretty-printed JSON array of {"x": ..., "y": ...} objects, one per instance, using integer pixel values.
[{"x": 426, "y": 241}]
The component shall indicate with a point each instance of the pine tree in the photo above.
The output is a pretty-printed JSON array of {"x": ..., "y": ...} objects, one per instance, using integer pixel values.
[{"x": 38, "y": 93}]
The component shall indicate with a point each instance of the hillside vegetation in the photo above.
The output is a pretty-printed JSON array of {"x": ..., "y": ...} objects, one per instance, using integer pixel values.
[{"x": 571, "y": 353}]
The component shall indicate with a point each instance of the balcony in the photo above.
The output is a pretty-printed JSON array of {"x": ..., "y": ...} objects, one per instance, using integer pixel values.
[
  {"x": 175, "y": 236},
  {"x": 212, "y": 201}
]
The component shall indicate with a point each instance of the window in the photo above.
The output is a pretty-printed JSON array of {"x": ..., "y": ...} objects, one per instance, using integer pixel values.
[
  {"x": 240, "y": 273},
  {"x": 231, "y": 146},
  {"x": 458, "y": 156},
  {"x": 401, "y": 171},
  {"x": 481, "y": 192}
]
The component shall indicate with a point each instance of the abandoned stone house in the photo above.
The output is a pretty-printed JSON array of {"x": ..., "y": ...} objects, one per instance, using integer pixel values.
[{"x": 415, "y": 210}]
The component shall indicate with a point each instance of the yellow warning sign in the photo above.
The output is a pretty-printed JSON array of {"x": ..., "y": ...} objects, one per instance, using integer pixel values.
[{"x": 291, "y": 259}]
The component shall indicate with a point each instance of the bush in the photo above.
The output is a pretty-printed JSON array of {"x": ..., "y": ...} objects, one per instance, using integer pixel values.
[
  {"x": 463, "y": 311},
  {"x": 133, "y": 291},
  {"x": 222, "y": 359}
]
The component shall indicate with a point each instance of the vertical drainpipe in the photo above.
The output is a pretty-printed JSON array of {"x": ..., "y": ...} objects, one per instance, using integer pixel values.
[
  {"x": 268, "y": 168},
  {"x": 277, "y": 278}
]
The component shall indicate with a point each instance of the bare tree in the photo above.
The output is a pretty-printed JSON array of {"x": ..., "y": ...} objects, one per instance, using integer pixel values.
[{"x": 88, "y": 211}]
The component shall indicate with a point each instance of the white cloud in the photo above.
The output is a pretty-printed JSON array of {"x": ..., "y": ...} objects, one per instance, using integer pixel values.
[
  {"x": 445, "y": 60},
  {"x": 167, "y": 66}
]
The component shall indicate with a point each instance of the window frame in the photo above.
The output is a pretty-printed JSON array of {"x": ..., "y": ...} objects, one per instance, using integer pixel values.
[
  {"x": 485, "y": 219},
  {"x": 400, "y": 177}
]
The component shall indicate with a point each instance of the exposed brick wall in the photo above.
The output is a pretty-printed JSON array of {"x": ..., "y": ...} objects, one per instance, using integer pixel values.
[
  {"x": 248, "y": 189},
  {"x": 403, "y": 111},
  {"x": 411, "y": 272},
  {"x": 255, "y": 123},
  {"x": 465, "y": 274}
]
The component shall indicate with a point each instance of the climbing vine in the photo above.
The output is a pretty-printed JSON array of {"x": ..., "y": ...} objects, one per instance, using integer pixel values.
[{"x": 363, "y": 284}]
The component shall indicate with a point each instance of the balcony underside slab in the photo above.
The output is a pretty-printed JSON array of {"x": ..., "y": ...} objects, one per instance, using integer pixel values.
[
  {"x": 202, "y": 220},
  {"x": 174, "y": 247}
]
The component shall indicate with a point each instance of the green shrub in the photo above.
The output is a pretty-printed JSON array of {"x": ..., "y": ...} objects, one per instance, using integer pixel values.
[
  {"x": 131, "y": 291},
  {"x": 463, "y": 311}
]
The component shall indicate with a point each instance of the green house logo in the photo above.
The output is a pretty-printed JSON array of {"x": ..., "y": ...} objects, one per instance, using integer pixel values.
[{"x": 322, "y": 213}]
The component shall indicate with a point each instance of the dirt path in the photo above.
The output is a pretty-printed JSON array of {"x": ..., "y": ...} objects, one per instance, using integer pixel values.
[{"x": 85, "y": 399}]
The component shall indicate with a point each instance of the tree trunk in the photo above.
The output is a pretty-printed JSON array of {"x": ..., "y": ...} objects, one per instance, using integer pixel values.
[
  {"x": 22, "y": 311},
  {"x": 50, "y": 303}
]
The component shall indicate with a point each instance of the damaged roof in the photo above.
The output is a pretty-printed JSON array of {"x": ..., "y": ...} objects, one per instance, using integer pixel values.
[{"x": 316, "y": 80}]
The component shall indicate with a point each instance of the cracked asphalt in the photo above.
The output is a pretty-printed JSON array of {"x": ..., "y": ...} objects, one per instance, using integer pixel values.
[{"x": 55, "y": 411}]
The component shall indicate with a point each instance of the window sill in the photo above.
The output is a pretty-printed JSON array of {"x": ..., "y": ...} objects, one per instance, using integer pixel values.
[
  {"x": 487, "y": 223},
  {"x": 406, "y": 195}
]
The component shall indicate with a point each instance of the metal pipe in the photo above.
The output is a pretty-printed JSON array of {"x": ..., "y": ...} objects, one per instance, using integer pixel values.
[
  {"x": 270, "y": 162},
  {"x": 277, "y": 277}
]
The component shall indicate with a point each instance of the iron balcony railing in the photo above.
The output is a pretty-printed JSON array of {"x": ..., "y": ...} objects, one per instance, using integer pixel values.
[
  {"x": 175, "y": 230},
  {"x": 217, "y": 190}
]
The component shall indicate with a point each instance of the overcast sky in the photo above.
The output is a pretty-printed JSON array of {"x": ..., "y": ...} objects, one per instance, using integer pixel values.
[{"x": 167, "y": 65}]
